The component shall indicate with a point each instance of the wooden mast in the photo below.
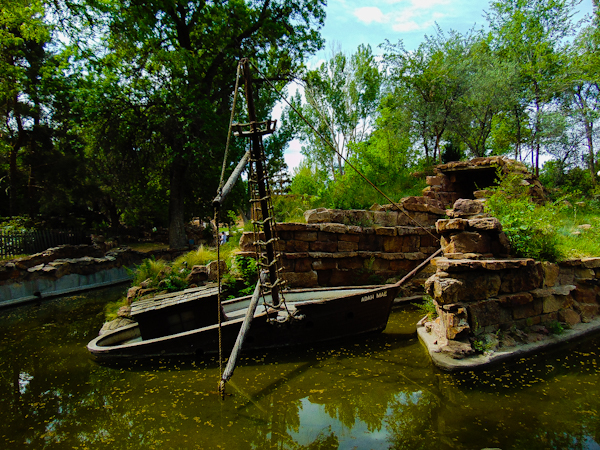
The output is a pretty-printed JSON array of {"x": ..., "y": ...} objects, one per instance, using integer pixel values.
[{"x": 256, "y": 152}]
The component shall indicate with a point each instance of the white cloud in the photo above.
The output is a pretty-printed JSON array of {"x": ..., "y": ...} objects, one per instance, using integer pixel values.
[{"x": 368, "y": 14}]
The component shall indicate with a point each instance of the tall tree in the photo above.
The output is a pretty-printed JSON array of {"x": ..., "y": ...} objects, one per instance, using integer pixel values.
[
  {"x": 532, "y": 33},
  {"x": 428, "y": 82},
  {"x": 341, "y": 99},
  {"x": 174, "y": 61}
]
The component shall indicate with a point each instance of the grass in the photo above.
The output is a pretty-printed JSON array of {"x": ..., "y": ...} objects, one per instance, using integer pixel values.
[{"x": 575, "y": 242}]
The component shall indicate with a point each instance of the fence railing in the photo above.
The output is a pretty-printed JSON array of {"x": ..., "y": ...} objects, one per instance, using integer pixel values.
[{"x": 26, "y": 242}]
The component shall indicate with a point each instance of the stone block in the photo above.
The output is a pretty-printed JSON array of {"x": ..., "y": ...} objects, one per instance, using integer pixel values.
[
  {"x": 345, "y": 278},
  {"x": 550, "y": 273},
  {"x": 350, "y": 263},
  {"x": 308, "y": 236},
  {"x": 587, "y": 311},
  {"x": 288, "y": 265},
  {"x": 198, "y": 275},
  {"x": 454, "y": 319},
  {"x": 451, "y": 225},
  {"x": 583, "y": 273},
  {"x": 566, "y": 275},
  {"x": 434, "y": 180},
  {"x": 337, "y": 228},
  {"x": 302, "y": 279},
  {"x": 295, "y": 246},
  {"x": 349, "y": 238},
  {"x": 370, "y": 243},
  {"x": 551, "y": 304},
  {"x": 385, "y": 231},
  {"x": 487, "y": 313},
  {"x": 321, "y": 246},
  {"x": 444, "y": 290},
  {"x": 468, "y": 242},
  {"x": 410, "y": 244},
  {"x": 327, "y": 237},
  {"x": 324, "y": 277},
  {"x": 303, "y": 265},
  {"x": 377, "y": 265},
  {"x": 401, "y": 266},
  {"x": 521, "y": 280},
  {"x": 295, "y": 226},
  {"x": 465, "y": 207},
  {"x": 586, "y": 294},
  {"x": 324, "y": 264},
  {"x": 590, "y": 263},
  {"x": 528, "y": 310},
  {"x": 569, "y": 317},
  {"x": 518, "y": 299},
  {"x": 216, "y": 267},
  {"x": 393, "y": 244},
  {"x": 346, "y": 246},
  {"x": 485, "y": 224},
  {"x": 315, "y": 215}
]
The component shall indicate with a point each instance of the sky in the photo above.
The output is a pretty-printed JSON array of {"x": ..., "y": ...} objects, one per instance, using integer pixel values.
[{"x": 351, "y": 22}]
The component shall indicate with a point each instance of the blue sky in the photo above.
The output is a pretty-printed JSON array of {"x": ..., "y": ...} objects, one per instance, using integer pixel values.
[{"x": 353, "y": 22}]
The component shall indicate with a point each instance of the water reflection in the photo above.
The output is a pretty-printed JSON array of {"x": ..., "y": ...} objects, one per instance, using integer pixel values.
[{"x": 380, "y": 392}]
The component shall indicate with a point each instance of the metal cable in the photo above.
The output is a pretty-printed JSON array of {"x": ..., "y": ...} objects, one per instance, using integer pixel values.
[
  {"x": 326, "y": 141},
  {"x": 235, "y": 94}
]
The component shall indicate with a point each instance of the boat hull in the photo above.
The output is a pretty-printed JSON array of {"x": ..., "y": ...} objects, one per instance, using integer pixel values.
[{"x": 319, "y": 315}]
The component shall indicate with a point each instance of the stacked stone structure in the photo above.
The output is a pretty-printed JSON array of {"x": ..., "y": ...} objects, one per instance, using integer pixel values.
[
  {"x": 469, "y": 179},
  {"x": 479, "y": 290},
  {"x": 356, "y": 247}
]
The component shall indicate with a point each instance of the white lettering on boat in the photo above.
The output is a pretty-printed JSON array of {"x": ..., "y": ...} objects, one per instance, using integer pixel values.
[{"x": 367, "y": 298}]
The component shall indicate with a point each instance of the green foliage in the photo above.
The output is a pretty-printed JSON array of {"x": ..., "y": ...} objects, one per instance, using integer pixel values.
[
  {"x": 485, "y": 343},
  {"x": 555, "y": 327},
  {"x": 427, "y": 308},
  {"x": 530, "y": 227},
  {"x": 111, "y": 309},
  {"x": 291, "y": 207},
  {"x": 149, "y": 269}
]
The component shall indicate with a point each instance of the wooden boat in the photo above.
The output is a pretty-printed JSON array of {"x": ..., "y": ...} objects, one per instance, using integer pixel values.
[
  {"x": 311, "y": 315},
  {"x": 177, "y": 326}
]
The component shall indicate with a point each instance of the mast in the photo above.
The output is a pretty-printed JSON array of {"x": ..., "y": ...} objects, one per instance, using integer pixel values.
[{"x": 256, "y": 157}]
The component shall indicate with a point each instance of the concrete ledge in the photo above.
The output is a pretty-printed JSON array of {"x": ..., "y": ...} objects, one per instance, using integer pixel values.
[
  {"x": 449, "y": 364},
  {"x": 35, "y": 290}
]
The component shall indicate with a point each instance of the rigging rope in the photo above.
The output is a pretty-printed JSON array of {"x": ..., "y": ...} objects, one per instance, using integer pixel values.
[
  {"x": 221, "y": 388},
  {"x": 320, "y": 135},
  {"x": 235, "y": 94}
]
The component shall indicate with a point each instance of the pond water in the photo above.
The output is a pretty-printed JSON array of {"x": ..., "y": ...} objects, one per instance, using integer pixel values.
[{"x": 375, "y": 392}]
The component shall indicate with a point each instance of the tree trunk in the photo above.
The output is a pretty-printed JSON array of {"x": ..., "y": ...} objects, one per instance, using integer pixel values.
[
  {"x": 177, "y": 236},
  {"x": 589, "y": 136}
]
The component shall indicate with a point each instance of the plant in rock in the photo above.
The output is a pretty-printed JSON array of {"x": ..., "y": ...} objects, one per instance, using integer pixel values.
[
  {"x": 555, "y": 327},
  {"x": 427, "y": 308},
  {"x": 529, "y": 227}
]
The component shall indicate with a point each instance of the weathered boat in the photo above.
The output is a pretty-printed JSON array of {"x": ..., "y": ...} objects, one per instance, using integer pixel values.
[
  {"x": 307, "y": 316},
  {"x": 198, "y": 323}
]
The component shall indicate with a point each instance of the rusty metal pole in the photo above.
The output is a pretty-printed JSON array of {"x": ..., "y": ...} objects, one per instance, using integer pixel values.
[{"x": 260, "y": 174}]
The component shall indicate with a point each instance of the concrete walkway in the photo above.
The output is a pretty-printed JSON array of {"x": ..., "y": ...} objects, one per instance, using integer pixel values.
[{"x": 449, "y": 364}]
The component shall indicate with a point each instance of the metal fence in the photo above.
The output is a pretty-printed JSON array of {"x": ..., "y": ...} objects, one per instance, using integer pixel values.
[{"x": 28, "y": 242}]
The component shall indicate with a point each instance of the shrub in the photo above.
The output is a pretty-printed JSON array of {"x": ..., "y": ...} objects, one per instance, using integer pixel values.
[{"x": 529, "y": 227}]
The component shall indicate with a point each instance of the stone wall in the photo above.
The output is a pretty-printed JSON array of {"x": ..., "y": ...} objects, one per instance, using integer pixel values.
[
  {"x": 474, "y": 297},
  {"x": 333, "y": 250},
  {"x": 469, "y": 179},
  {"x": 66, "y": 269}
]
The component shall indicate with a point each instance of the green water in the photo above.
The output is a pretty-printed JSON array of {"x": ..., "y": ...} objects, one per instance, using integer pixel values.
[{"x": 379, "y": 392}]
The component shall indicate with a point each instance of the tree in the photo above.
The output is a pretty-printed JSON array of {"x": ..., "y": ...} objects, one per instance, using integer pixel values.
[
  {"x": 173, "y": 64},
  {"x": 531, "y": 33},
  {"x": 489, "y": 85},
  {"x": 341, "y": 99},
  {"x": 581, "y": 91},
  {"x": 428, "y": 82}
]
